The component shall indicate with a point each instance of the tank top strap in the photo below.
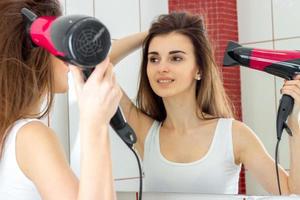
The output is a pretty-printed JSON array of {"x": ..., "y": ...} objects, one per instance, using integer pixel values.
[
  {"x": 223, "y": 139},
  {"x": 10, "y": 143},
  {"x": 14, "y": 184},
  {"x": 151, "y": 138}
]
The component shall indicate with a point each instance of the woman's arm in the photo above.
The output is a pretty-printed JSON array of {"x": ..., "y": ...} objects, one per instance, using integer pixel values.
[
  {"x": 98, "y": 99},
  {"x": 41, "y": 157},
  {"x": 249, "y": 150},
  {"x": 135, "y": 118},
  {"x": 96, "y": 181},
  {"x": 292, "y": 88},
  {"x": 122, "y": 47},
  {"x": 255, "y": 158},
  {"x": 294, "y": 178}
]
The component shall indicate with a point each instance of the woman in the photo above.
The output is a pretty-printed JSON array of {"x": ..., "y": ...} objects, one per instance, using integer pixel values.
[
  {"x": 32, "y": 163},
  {"x": 183, "y": 118}
]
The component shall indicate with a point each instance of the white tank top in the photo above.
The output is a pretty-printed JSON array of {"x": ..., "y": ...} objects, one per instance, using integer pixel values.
[
  {"x": 216, "y": 172},
  {"x": 14, "y": 185}
]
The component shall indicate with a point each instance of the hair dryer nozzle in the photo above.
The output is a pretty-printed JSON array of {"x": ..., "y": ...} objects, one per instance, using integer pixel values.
[
  {"x": 228, "y": 61},
  {"x": 28, "y": 15}
]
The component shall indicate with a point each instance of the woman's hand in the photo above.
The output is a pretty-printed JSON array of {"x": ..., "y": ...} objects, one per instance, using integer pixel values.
[
  {"x": 292, "y": 88},
  {"x": 99, "y": 96}
]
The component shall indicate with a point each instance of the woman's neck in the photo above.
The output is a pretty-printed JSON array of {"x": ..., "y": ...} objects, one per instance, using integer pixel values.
[{"x": 182, "y": 113}]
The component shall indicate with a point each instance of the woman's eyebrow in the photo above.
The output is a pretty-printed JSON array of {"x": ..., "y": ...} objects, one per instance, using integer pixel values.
[
  {"x": 176, "y": 51},
  {"x": 153, "y": 52},
  {"x": 171, "y": 52}
]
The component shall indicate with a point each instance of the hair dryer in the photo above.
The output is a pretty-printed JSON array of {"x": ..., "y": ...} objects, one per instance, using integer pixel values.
[
  {"x": 282, "y": 63},
  {"x": 80, "y": 40}
]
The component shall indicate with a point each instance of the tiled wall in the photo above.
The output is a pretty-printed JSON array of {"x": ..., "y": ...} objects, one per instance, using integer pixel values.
[{"x": 271, "y": 24}]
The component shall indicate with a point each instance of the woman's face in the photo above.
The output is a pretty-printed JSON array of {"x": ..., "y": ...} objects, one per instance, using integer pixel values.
[
  {"x": 171, "y": 66},
  {"x": 60, "y": 70}
]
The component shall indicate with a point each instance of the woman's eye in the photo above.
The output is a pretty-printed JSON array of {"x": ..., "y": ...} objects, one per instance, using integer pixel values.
[
  {"x": 176, "y": 58},
  {"x": 153, "y": 59}
]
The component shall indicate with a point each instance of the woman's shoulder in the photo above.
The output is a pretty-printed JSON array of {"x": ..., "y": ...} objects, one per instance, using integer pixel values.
[
  {"x": 244, "y": 138},
  {"x": 239, "y": 127},
  {"x": 35, "y": 135},
  {"x": 241, "y": 131},
  {"x": 35, "y": 129},
  {"x": 35, "y": 143}
]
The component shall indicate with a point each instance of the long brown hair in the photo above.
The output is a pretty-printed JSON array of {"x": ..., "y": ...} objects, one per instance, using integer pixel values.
[
  {"x": 210, "y": 93},
  {"x": 26, "y": 73}
]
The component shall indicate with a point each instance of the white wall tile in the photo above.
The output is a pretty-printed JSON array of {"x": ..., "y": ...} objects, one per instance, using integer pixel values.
[
  {"x": 85, "y": 7},
  {"x": 150, "y": 10},
  {"x": 254, "y": 20},
  {"x": 121, "y": 17},
  {"x": 286, "y": 18},
  {"x": 288, "y": 44}
]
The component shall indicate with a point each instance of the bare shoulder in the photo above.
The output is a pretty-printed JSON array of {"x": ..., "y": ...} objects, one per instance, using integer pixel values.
[
  {"x": 36, "y": 135},
  {"x": 239, "y": 126},
  {"x": 243, "y": 138},
  {"x": 35, "y": 130},
  {"x": 36, "y": 145}
]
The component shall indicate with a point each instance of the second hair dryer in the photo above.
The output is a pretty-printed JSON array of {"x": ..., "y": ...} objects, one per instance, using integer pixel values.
[{"x": 281, "y": 63}]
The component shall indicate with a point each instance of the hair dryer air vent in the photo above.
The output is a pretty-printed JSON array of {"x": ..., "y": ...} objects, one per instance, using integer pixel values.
[{"x": 89, "y": 42}]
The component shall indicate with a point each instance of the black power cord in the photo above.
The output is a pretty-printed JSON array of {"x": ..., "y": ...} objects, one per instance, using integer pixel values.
[
  {"x": 276, "y": 166},
  {"x": 140, "y": 172}
]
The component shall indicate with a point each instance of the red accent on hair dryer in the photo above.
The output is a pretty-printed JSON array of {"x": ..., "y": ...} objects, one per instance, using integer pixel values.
[{"x": 40, "y": 32}]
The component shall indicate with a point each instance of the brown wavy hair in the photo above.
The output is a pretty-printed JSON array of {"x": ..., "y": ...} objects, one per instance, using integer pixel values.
[
  {"x": 26, "y": 73},
  {"x": 210, "y": 93}
]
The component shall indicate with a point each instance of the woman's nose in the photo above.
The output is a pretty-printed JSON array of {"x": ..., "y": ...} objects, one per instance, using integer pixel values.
[{"x": 163, "y": 67}]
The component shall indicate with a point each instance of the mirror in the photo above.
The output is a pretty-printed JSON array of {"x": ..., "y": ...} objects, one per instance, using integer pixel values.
[{"x": 261, "y": 24}]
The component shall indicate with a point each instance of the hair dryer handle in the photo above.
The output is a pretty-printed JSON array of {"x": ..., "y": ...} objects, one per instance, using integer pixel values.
[
  {"x": 118, "y": 122},
  {"x": 285, "y": 108},
  {"x": 123, "y": 129}
]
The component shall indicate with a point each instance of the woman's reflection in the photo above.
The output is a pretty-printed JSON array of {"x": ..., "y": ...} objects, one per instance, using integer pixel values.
[{"x": 184, "y": 122}]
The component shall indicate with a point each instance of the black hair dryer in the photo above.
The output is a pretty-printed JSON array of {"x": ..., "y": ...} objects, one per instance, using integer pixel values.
[
  {"x": 282, "y": 63},
  {"x": 80, "y": 40}
]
